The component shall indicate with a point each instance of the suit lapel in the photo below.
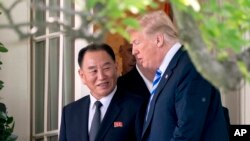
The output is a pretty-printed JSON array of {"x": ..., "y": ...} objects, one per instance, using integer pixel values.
[
  {"x": 109, "y": 118},
  {"x": 83, "y": 118},
  {"x": 165, "y": 77}
]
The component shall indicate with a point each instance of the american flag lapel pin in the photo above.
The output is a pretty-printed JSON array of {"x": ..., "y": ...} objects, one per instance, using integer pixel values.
[
  {"x": 166, "y": 76},
  {"x": 118, "y": 124}
]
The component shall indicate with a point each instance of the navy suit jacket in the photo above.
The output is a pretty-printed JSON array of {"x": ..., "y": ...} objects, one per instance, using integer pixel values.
[
  {"x": 185, "y": 106},
  {"x": 123, "y": 108}
]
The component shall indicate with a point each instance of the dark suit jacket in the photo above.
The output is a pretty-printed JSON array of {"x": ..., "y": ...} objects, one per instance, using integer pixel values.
[
  {"x": 133, "y": 82},
  {"x": 185, "y": 106},
  {"x": 123, "y": 108}
]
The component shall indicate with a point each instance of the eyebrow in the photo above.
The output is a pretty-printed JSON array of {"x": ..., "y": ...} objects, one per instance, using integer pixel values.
[
  {"x": 106, "y": 64},
  {"x": 93, "y": 67}
]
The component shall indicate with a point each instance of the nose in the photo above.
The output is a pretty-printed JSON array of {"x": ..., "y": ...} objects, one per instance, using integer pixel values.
[
  {"x": 134, "y": 50},
  {"x": 101, "y": 75}
]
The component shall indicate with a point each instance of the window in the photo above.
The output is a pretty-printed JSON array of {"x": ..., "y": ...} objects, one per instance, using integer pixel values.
[{"x": 52, "y": 71}]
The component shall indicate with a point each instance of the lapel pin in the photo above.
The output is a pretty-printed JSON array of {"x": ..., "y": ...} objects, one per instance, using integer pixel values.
[
  {"x": 118, "y": 124},
  {"x": 166, "y": 76}
]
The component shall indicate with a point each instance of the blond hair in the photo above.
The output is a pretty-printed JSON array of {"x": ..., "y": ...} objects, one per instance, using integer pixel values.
[{"x": 158, "y": 21}]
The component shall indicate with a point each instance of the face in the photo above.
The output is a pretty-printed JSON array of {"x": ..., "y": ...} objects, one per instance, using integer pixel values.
[
  {"x": 144, "y": 49},
  {"x": 99, "y": 72},
  {"x": 128, "y": 60}
]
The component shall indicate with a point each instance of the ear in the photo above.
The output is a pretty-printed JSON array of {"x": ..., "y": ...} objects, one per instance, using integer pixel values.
[
  {"x": 159, "y": 40},
  {"x": 81, "y": 74},
  {"x": 116, "y": 67}
]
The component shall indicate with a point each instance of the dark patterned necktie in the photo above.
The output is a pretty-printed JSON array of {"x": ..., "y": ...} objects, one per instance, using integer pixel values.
[{"x": 96, "y": 121}]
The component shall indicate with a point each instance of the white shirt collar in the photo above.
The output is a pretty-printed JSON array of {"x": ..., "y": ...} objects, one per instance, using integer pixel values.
[
  {"x": 105, "y": 100},
  {"x": 168, "y": 57},
  {"x": 105, "y": 104},
  {"x": 146, "y": 81}
]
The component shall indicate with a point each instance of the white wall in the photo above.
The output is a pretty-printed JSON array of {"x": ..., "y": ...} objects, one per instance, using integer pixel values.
[
  {"x": 80, "y": 89},
  {"x": 16, "y": 73},
  {"x": 245, "y": 104},
  {"x": 238, "y": 104},
  {"x": 231, "y": 100}
]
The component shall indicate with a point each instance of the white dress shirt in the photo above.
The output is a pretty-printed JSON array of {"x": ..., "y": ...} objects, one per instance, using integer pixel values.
[
  {"x": 168, "y": 57},
  {"x": 105, "y": 104}
]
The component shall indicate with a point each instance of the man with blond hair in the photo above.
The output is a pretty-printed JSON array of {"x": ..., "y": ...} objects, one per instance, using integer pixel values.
[{"x": 183, "y": 105}]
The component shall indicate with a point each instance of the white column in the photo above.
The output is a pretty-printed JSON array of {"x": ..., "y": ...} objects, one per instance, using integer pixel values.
[{"x": 80, "y": 89}]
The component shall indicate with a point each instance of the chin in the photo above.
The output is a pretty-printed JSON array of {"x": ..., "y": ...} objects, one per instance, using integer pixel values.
[
  {"x": 144, "y": 65},
  {"x": 106, "y": 92}
]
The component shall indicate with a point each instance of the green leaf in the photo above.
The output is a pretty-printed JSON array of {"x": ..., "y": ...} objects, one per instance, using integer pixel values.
[
  {"x": 2, "y": 107},
  {"x": 12, "y": 127},
  {"x": 9, "y": 120},
  {"x": 222, "y": 55},
  {"x": 12, "y": 138},
  {"x": 243, "y": 68},
  {"x": 3, "y": 115},
  {"x": 1, "y": 86},
  {"x": 2, "y": 48},
  {"x": 132, "y": 22},
  {"x": 1, "y": 62},
  {"x": 91, "y": 3},
  {"x": 123, "y": 33}
]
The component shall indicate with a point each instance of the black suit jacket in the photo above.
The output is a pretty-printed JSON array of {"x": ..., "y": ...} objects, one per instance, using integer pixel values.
[
  {"x": 133, "y": 82},
  {"x": 123, "y": 108},
  {"x": 185, "y": 106}
]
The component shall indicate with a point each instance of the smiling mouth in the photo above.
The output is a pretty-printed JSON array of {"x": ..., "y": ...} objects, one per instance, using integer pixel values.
[{"x": 103, "y": 85}]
